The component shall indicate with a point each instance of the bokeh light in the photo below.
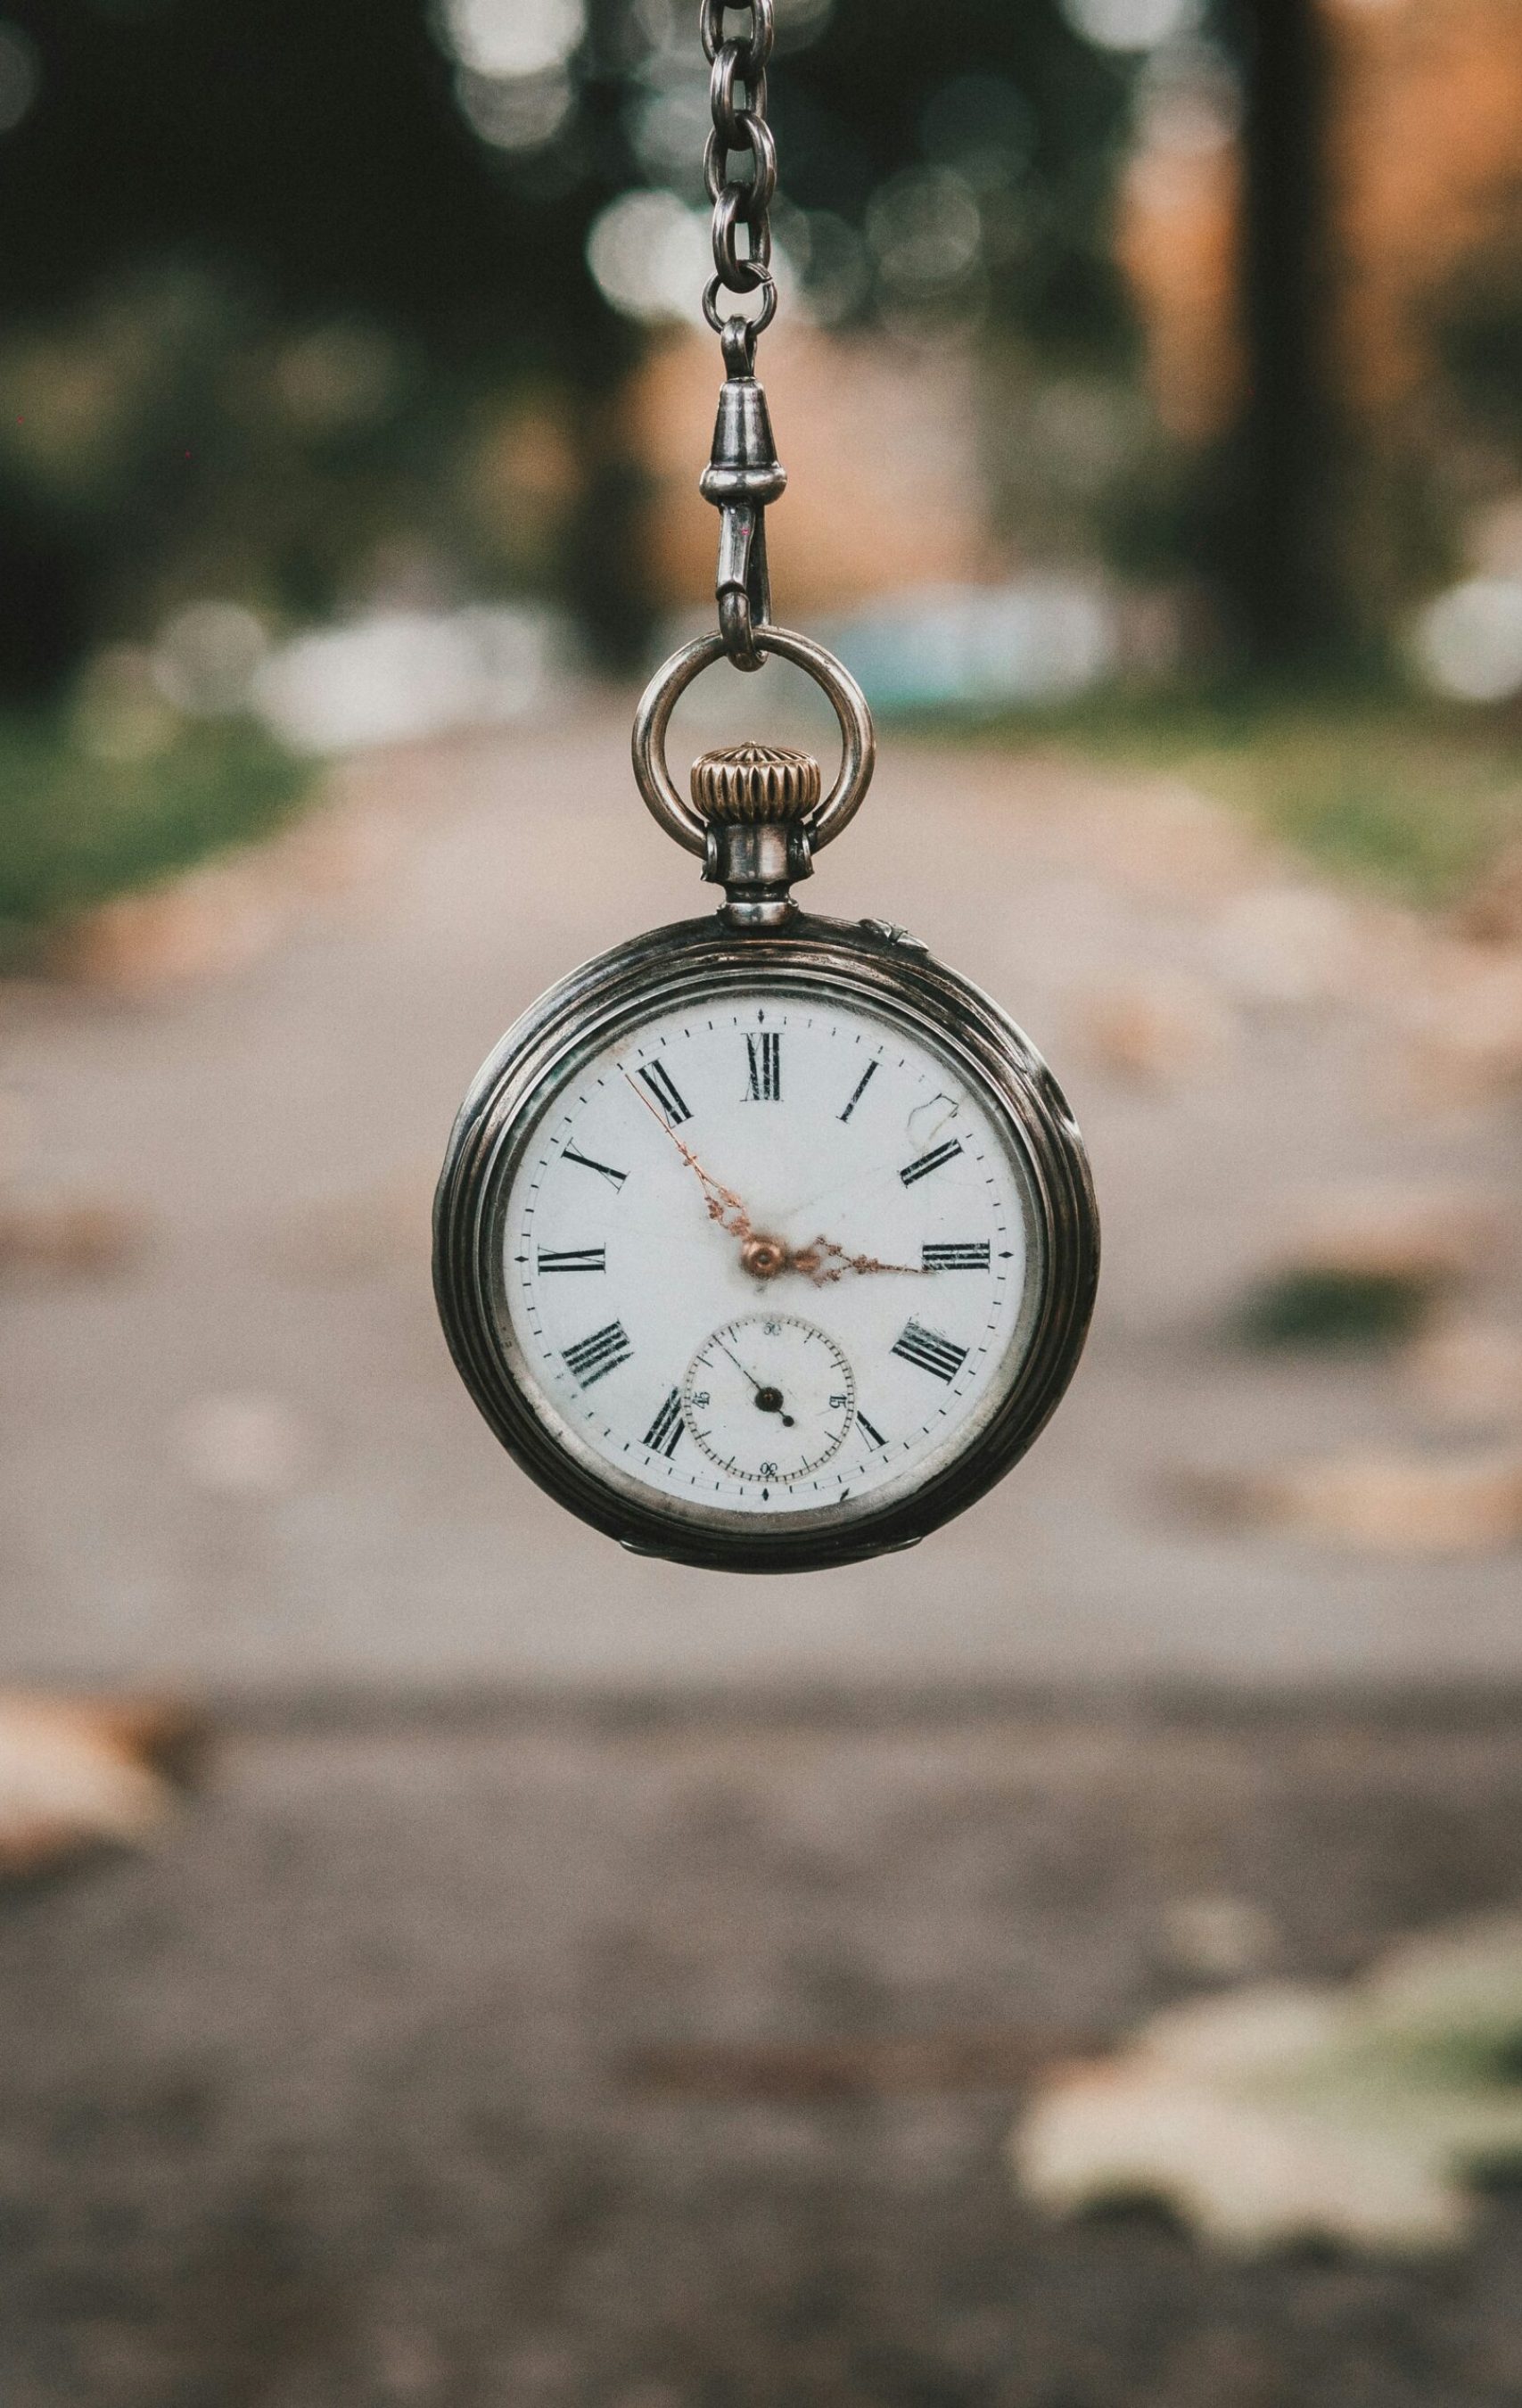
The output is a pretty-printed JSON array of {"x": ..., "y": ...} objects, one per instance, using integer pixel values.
[
  {"x": 513, "y": 38},
  {"x": 19, "y": 76},
  {"x": 516, "y": 112},
  {"x": 207, "y": 657},
  {"x": 924, "y": 231},
  {"x": 650, "y": 255},
  {"x": 1467, "y": 642},
  {"x": 1132, "y": 24}
]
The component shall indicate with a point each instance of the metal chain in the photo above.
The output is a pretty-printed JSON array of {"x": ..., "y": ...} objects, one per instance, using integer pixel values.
[{"x": 744, "y": 202}]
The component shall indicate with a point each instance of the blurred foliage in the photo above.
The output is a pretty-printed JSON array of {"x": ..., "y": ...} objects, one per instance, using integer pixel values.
[
  {"x": 1415, "y": 795},
  {"x": 1477, "y": 318},
  {"x": 1338, "y": 1311},
  {"x": 78, "y": 827},
  {"x": 297, "y": 313}
]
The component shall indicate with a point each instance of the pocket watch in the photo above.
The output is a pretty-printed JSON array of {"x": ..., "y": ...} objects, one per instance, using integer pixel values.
[{"x": 765, "y": 1241}]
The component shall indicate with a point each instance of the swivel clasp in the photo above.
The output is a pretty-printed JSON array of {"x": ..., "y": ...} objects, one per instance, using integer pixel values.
[{"x": 742, "y": 477}]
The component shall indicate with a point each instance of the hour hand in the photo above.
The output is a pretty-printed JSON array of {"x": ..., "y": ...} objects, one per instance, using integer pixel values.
[{"x": 823, "y": 1262}]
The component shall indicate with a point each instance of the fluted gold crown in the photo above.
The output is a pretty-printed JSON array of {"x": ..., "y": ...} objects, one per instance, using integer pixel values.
[{"x": 756, "y": 785}]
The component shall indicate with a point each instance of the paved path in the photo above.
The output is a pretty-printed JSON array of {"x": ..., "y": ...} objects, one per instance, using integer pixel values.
[
  {"x": 524, "y": 2063},
  {"x": 262, "y": 1119}
]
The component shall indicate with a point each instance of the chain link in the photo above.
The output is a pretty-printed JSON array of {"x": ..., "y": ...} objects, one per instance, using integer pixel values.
[{"x": 741, "y": 204}]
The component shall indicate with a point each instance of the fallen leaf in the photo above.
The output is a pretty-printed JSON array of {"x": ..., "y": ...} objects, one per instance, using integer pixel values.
[
  {"x": 1491, "y": 912},
  {"x": 1286, "y": 2113},
  {"x": 1161, "y": 1028},
  {"x": 76, "y": 1775},
  {"x": 1385, "y": 1501},
  {"x": 208, "y": 923},
  {"x": 1431, "y": 1236},
  {"x": 69, "y": 1236},
  {"x": 855, "y": 2067}
]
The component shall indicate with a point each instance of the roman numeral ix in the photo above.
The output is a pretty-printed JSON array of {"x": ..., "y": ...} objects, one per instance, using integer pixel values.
[
  {"x": 593, "y": 1358},
  {"x": 665, "y": 1090},
  {"x": 931, "y": 1161},
  {"x": 929, "y": 1352},
  {"x": 764, "y": 1053},
  {"x": 955, "y": 1258},
  {"x": 664, "y": 1433},
  {"x": 574, "y": 1258}
]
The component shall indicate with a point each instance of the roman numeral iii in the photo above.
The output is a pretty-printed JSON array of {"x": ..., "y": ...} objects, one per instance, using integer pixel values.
[
  {"x": 664, "y": 1433},
  {"x": 665, "y": 1090},
  {"x": 574, "y": 1258},
  {"x": 593, "y": 1358},
  {"x": 764, "y": 1053},
  {"x": 955, "y": 1257},
  {"x": 929, "y": 1352},
  {"x": 931, "y": 1161}
]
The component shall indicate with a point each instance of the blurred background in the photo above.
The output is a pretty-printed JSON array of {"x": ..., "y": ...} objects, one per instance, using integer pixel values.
[{"x": 1079, "y": 1963}]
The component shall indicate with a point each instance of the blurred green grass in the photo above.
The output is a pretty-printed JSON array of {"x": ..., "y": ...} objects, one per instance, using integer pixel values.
[
  {"x": 1414, "y": 796},
  {"x": 1383, "y": 788},
  {"x": 75, "y": 828}
]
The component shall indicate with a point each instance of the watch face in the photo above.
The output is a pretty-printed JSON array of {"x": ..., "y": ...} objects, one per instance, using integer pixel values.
[{"x": 767, "y": 1254}]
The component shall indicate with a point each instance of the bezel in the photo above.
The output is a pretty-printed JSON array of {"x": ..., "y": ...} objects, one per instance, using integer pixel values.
[{"x": 864, "y": 963}]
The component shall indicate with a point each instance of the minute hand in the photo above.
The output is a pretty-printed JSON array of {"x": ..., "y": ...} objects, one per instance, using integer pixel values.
[{"x": 724, "y": 1206}]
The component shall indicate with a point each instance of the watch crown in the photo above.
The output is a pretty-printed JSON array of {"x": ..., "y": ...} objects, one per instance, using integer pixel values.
[{"x": 756, "y": 785}]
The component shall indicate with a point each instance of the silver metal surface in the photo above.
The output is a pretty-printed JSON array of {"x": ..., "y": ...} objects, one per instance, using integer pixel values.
[
  {"x": 744, "y": 474},
  {"x": 609, "y": 998},
  {"x": 741, "y": 203},
  {"x": 859, "y": 743}
]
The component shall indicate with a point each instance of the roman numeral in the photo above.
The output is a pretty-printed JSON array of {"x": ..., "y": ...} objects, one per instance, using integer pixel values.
[
  {"x": 664, "y": 1088},
  {"x": 603, "y": 1169},
  {"x": 574, "y": 1258},
  {"x": 931, "y": 1161},
  {"x": 876, "y": 1435},
  {"x": 765, "y": 1058},
  {"x": 593, "y": 1358},
  {"x": 664, "y": 1433},
  {"x": 955, "y": 1258},
  {"x": 860, "y": 1089},
  {"x": 929, "y": 1352}
]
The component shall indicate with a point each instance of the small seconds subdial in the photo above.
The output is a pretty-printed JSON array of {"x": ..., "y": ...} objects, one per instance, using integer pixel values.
[{"x": 769, "y": 1399}]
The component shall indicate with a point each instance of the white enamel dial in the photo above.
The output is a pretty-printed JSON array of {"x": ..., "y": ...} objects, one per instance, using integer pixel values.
[{"x": 767, "y": 1256}]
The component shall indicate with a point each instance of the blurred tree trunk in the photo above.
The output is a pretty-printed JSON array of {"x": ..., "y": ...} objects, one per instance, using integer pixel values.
[{"x": 1284, "y": 564}]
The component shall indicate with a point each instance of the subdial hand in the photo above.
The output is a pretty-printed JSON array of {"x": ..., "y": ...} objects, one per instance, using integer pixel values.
[{"x": 769, "y": 1401}]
